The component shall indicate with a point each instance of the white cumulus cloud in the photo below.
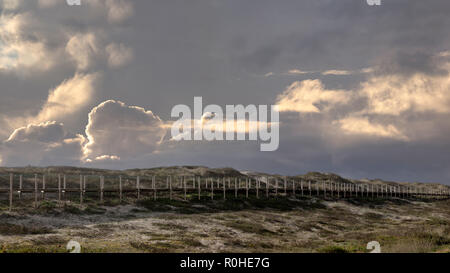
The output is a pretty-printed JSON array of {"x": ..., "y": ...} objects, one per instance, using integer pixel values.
[
  {"x": 116, "y": 130},
  {"x": 45, "y": 143}
]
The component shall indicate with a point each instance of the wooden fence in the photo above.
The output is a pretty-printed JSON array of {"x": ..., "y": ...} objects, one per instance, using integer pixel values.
[{"x": 60, "y": 186}]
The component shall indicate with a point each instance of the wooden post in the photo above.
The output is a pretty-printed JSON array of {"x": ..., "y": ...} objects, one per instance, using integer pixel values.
[
  {"x": 81, "y": 189},
  {"x": 293, "y": 188},
  {"x": 101, "y": 189},
  {"x": 301, "y": 186},
  {"x": 257, "y": 188},
  {"x": 224, "y": 188},
  {"x": 184, "y": 186},
  {"x": 43, "y": 187},
  {"x": 267, "y": 187},
  {"x": 64, "y": 187},
  {"x": 154, "y": 187},
  {"x": 35, "y": 191},
  {"x": 170, "y": 187},
  {"x": 276, "y": 187},
  {"x": 246, "y": 188},
  {"x": 11, "y": 178},
  {"x": 309, "y": 186},
  {"x": 285, "y": 186},
  {"x": 212, "y": 188},
  {"x": 120, "y": 188},
  {"x": 138, "y": 188},
  {"x": 317, "y": 188},
  {"x": 20, "y": 186},
  {"x": 59, "y": 187},
  {"x": 236, "y": 188},
  {"x": 167, "y": 182},
  {"x": 325, "y": 189},
  {"x": 199, "y": 187}
]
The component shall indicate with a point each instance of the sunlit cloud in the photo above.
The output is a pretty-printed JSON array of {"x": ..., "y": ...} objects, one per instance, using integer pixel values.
[
  {"x": 10, "y": 4},
  {"x": 119, "y": 55},
  {"x": 337, "y": 72},
  {"x": 209, "y": 122},
  {"x": 83, "y": 48},
  {"x": 41, "y": 143},
  {"x": 362, "y": 126},
  {"x": 123, "y": 131},
  {"x": 384, "y": 105},
  {"x": 310, "y": 96},
  {"x": 17, "y": 50},
  {"x": 68, "y": 98}
]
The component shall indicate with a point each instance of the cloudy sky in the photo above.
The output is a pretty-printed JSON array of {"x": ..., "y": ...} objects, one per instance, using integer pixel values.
[{"x": 363, "y": 91}]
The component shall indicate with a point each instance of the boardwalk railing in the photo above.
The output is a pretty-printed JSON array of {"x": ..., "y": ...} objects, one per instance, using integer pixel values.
[{"x": 63, "y": 187}]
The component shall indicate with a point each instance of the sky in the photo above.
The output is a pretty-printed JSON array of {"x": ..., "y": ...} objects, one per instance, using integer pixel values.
[{"x": 363, "y": 91}]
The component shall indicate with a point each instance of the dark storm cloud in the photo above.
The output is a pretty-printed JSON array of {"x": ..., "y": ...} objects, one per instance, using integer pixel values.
[
  {"x": 221, "y": 50},
  {"x": 407, "y": 63},
  {"x": 345, "y": 33}
]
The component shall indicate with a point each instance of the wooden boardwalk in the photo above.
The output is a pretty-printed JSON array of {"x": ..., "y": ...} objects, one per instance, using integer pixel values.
[{"x": 60, "y": 186}]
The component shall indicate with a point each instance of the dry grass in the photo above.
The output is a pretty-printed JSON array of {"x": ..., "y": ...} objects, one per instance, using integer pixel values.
[{"x": 283, "y": 225}]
